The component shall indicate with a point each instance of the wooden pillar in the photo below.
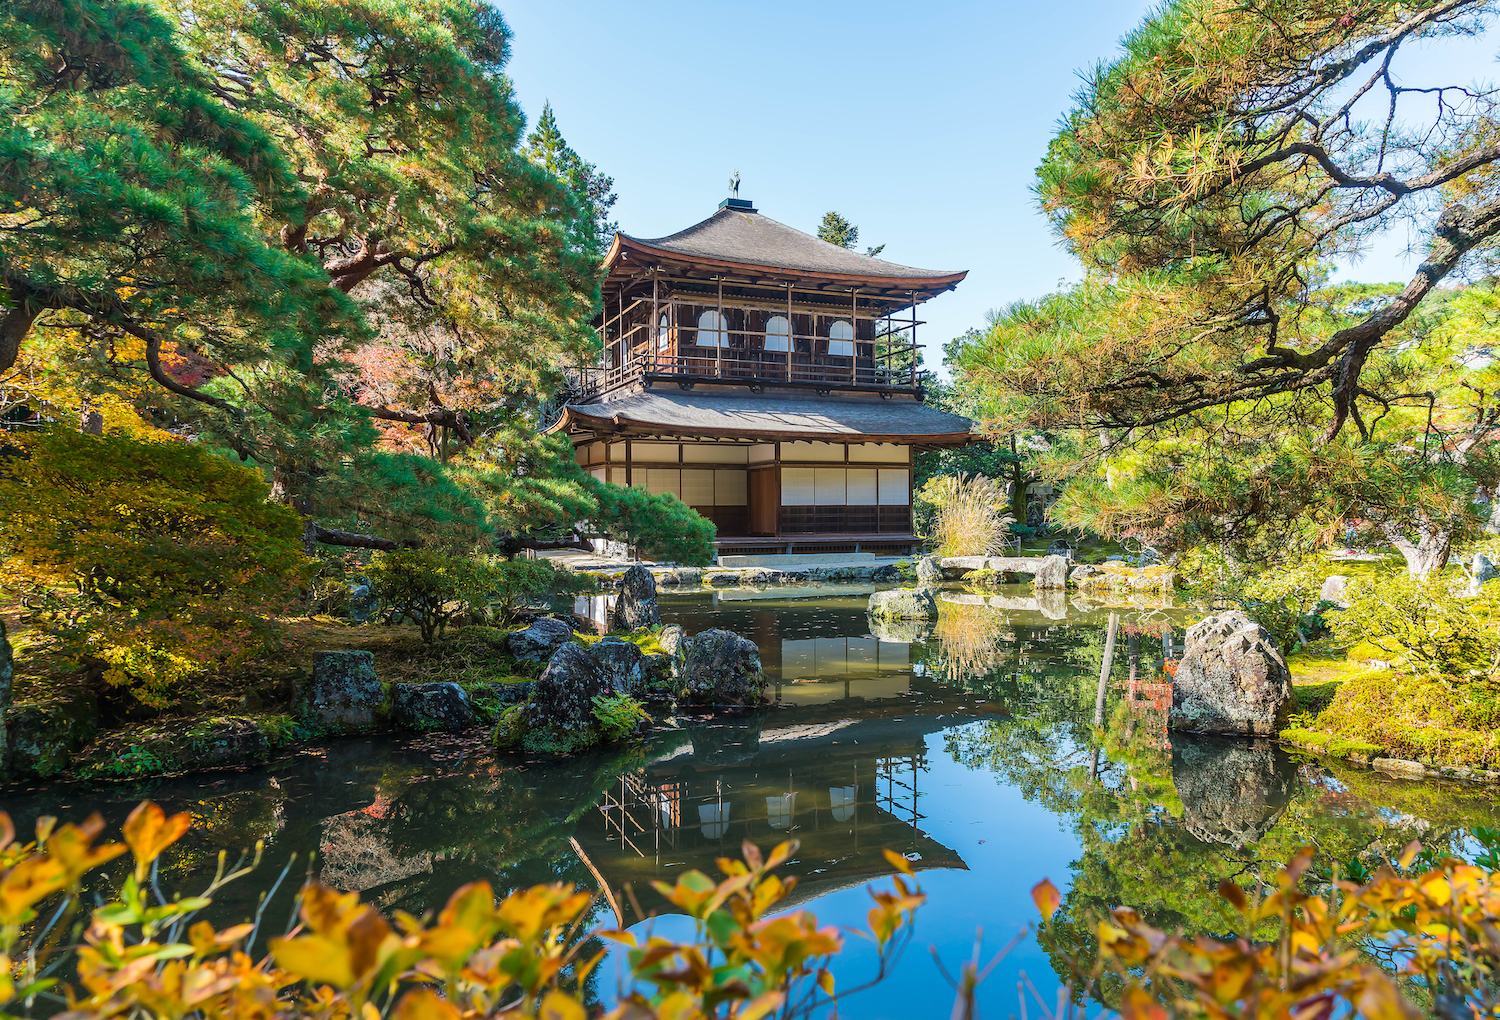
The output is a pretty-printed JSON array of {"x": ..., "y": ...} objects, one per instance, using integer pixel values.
[
  {"x": 720, "y": 336},
  {"x": 914, "y": 338},
  {"x": 791, "y": 341},
  {"x": 854, "y": 341},
  {"x": 653, "y": 332}
]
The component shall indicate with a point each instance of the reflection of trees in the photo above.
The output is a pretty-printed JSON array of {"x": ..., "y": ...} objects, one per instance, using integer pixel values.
[{"x": 971, "y": 640}]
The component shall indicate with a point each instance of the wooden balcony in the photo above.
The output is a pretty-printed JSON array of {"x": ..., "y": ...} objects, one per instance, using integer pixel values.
[{"x": 823, "y": 373}]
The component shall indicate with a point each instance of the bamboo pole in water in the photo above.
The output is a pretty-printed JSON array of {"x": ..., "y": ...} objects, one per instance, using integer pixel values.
[{"x": 1109, "y": 660}]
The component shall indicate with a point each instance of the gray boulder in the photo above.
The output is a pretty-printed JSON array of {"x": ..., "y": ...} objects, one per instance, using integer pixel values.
[
  {"x": 45, "y": 735},
  {"x": 928, "y": 571},
  {"x": 364, "y": 604},
  {"x": 344, "y": 692},
  {"x": 680, "y": 577},
  {"x": 1148, "y": 558},
  {"x": 434, "y": 706},
  {"x": 1334, "y": 586},
  {"x": 1480, "y": 571},
  {"x": 670, "y": 639},
  {"x": 1083, "y": 574},
  {"x": 626, "y": 667},
  {"x": 888, "y": 573},
  {"x": 1231, "y": 680},
  {"x": 539, "y": 640},
  {"x": 1051, "y": 574},
  {"x": 1233, "y": 792},
  {"x": 1060, "y": 547},
  {"x": 903, "y": 604},
  {"x": 720, "y": 668},
  {"x": 562, "y": 699},
  {"x": 636, "y": 606}
]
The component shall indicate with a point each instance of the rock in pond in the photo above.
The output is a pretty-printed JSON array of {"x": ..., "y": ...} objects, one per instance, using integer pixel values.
[
  {"x": 628, "y": 669},
  {"x": 431, "y": 706},
  {"x": 539, "y": 640},
  {"x": 1231, "y": 680},
  {"x": 636, "y": 606},
  {"x": 903, "y": 604},
  {"x": 1051, "y": 574},
  {"x": 46, "y": 733},
  {"x": 176, "y": 745},
  {"x": 670, "y": 639},
  {"x": 344, "y": 692},
  {"x": 928, "y": 571},
  {"x": 720, "y": 668},
  {"x": 562, "y": 700},
  {"x": 887, "y": 573}
]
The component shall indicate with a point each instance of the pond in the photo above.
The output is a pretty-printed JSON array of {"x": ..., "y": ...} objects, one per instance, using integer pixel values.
[{"x": 969, "y": 746}]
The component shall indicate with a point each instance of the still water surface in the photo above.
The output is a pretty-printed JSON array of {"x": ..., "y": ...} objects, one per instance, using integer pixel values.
[{"x": 969, "y": 746}]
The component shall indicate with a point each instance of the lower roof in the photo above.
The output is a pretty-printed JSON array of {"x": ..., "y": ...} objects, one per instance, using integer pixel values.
[{"x": 753, "y": 416}]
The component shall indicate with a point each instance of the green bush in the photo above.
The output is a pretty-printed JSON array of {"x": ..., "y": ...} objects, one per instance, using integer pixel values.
[
  {"x": 660, "y": 526},
  {"x": 618, "y": 715},
  {"x": 1286, "y": 602},
  {"x": 1427, "y": 621},
  {"x": 433, "y": 587}
]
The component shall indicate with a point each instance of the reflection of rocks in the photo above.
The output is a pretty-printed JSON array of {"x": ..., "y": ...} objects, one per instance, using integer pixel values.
[
  {"x": 904, "y": 604},
  {"x": 1231, "y": 679},
  {"x": 1232, "y": 791},
  {"x": 728, "y": 740},
  {"x": 901, "y": 631},
  {"x": 1052, "y": 604}
]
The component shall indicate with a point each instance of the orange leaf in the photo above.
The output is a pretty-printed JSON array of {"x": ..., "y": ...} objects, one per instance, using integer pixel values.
[
  {"x": 1046, "y": 897},
  {"x": 149, "y": 831},
  {"x": 424, "y": 1004}
]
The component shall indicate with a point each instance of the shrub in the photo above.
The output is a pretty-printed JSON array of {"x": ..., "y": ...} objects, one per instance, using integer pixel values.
[
  {"x": 517, "y": 583},
  {"x": 966, "y": 515},
  {"x": 1286, "y": 602},
  {"x": 433, "y": 587},
  {"x": 153, "y": 559},
  {"x": 1428, "y": 622},
  {"x": 660, "y": 526}
]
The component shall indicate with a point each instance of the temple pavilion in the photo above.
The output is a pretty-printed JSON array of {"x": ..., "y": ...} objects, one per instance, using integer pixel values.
[{"x": 769, "y": 379}]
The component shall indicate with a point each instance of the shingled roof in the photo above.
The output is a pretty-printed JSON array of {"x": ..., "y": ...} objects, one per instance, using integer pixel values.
[
  {"x": 739, "y": 237},
  {"x": 752, "y": 416}
]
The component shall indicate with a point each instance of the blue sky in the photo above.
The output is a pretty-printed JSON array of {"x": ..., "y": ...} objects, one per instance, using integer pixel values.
[{"x": 922, "y": 123}]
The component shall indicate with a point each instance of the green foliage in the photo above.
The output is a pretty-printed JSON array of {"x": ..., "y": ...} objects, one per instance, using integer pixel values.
[
  {"x": 433, "y": 587},
  {"x": 964, "y": 515},
  {"x": 595, "y": 191},
  {"x": 660, "y": 526},
  {"x": 1429, "y": 624},
  {"x": 153, "y": 559},
  {"x": 835, "y": 229},
  {"x": 618, "y": 715},
  {"x": 1286, "y": 601}
]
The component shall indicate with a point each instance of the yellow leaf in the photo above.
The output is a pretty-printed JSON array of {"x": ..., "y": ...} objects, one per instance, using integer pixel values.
[
  {"x": 149, "y": 831},
  {"x": 763, "y": 1004},
  {"x": 825, "y": 981},
  {"x": 1046, "y": 897},
  {"x": 1380, "y": 999},
  {"x": 317, "y": 958},
  {"x": 425, "y": 1004},
  {"x": 561, "y": 1006}
]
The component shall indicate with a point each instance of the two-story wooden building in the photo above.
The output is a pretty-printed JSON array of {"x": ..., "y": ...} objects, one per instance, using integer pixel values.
[{"x": 769, "y": 379}]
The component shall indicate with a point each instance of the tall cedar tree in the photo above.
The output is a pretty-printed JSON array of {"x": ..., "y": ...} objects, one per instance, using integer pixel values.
[
  {"x": 1206, "y": 179},
  {"x": 547, "y": 148}
]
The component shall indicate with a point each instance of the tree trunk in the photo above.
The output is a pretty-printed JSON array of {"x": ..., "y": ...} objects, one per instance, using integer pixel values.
[{"x": 1429, "y": 552}]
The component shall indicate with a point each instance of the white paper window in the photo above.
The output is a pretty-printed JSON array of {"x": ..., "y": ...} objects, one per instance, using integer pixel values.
[
  {"x": 698, "y": 487},
  {"x": 730, "y": 488},
  {"x": 841, "y": 339},
  {"x": 617, "y": 475},
  {"x": 598, "y": 473},
  {"x": 879, "y": 453},
  {"x": 711, "y": 330},
  {"x": 762, "y": 453},
  {"x": 662, "y": 453},
  {"x": 663, "y": 333},
  {"x": 812, "y": 451},
  {"x": 862, "y": 487},
  {"x": 661, "y": 480},
  {"x": 893, "y": 487},
  {"x": 778, "y": 333},
  {"x": 797, "y": 488},
  {"x": 830, "y": 486},
  {"x": 714, "y": 453}
]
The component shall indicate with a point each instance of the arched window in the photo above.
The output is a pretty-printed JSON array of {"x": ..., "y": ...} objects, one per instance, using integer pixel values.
[
  {"x": 711, "y": 330},
  {"x": 663, "y": 333},
  {"x": 778, "y": 333},
  {"x": 841, "y": 339}
]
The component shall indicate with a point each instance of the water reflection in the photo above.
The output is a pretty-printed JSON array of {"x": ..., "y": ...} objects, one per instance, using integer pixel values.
[{"x": 991, "y": 747}]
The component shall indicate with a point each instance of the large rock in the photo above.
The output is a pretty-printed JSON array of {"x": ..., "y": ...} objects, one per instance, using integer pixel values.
[
  {"x": 1231, "y": 680},
  {"x": 562, "y": 699},
  {"x": 636, "y": 606},
  {"x": 1051, "y": 574},
  {"x": 1232, "y": 791},
  {"x": 680, "y": 577},
  {"x": 539, "y": 640},
  {"x": 176, "y": 745},
  {"x": 344, "y": 692},
  {"x": 670, "y": 639},
  {"x": 432, "y": 706},
  {"x": 1480, "y": 571},
  {"x": 928, "y": 571},
  {"x": 363, "y": 602},
  {"x": 903, "y": 604},
  {"x": 721, "y": 668},
  {"x": 626, "y": 667},
  {"x": 46, "y": 733},
  {"x": 1334, "y": 587}
]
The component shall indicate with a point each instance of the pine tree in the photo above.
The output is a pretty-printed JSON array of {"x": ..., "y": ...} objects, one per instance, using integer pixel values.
[
  {"x": 835, "y": 229},
  {"x": 547, "y": 148}
]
